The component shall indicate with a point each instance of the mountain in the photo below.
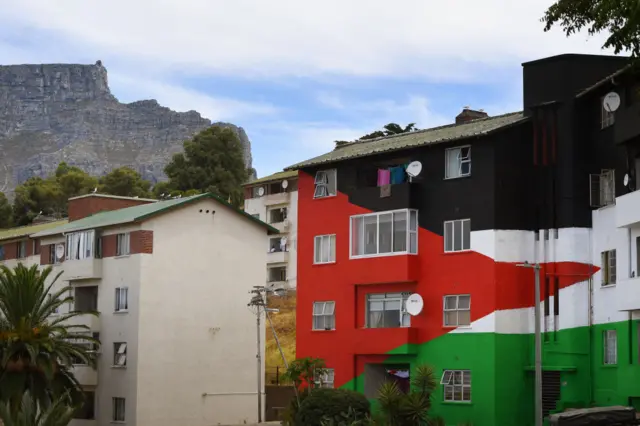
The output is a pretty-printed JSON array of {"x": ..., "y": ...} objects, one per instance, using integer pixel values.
[{"x": 66, "y": 112}]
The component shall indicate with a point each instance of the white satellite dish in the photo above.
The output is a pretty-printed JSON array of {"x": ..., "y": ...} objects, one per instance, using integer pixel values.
[
  {"x": 626, "y": 180},
  {"x": 414, "y": 168},
  {"x": 285, "y": 184},
  {"x": 414, "y": 304},
  {"x": 59, "y": 251},
  {"x": 261, "y": 191},
  {"x": 611, "y": 102}
]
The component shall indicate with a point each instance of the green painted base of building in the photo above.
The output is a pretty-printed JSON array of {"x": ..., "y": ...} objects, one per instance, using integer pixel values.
[{"x": 502, "y": 372}]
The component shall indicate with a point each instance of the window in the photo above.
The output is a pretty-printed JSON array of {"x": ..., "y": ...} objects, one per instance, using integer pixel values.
[
  {"x": 457, "y": 310},
  {"x": 22, "y": 249},
  {"x": 277, "y": 274},
  {"x": 36, "y": 246},
  {"x": 325, "y": 249},
  {"x": 1, "y": 252},
  {"x": 324, "y": 316},
  {"x": 123, "y": 244},
  {"x": 602, "y": 188},
  {"x": 277, "y": 244},
  {"x": 610, "y": 347},
  {"x": 608, "y": 267},
  {"x": 387, "y": 310},
  {"x": 384, "y": 233},
  {"x": 122, "y": 299},
  {"x": 458, "y": 162},
  {"x": 325, "y": 183},
  {"x": 606, "y": 118},
  {"x": 88, "y": 409},
  {"x": 256, "y": 215},
  {"x": 98, "y": 252},
  {"x": 457, "y": 235},
  {"x": 118, "y": 410},
  {"x": 120, "y": 354},
  {"x": 456, "y": 385},
  {"x": 278, "y": 215},
  {"x": 324, "y": 379},
  {"x": 80, "y": 245}
]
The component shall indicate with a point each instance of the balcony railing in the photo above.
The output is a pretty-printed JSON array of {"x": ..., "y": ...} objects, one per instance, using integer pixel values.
[
  {"x": 403, "y": 339},
  {"x": 86, "y": 375},
  {"x": 394, "y": 197},
  {"x": 82, "y": 269},
  {"x": 628, "y": 294},
  {"x": 627, "y": 124}
]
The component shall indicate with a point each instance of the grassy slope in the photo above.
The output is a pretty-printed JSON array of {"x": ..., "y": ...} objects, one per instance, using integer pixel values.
[{"x": 285, "y": 324}]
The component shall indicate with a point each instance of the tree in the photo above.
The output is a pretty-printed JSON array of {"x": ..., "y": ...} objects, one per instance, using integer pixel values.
[
  {"x": 31, "y": 413},
  {"x": 73, "y": 181},
  {"x": 390, "y": 129},
  {"x": 212, "y": 161},
  {"x": 6, "y": 212},
  {"x": 126, "y": 182},
  {"x": 619, "y": 18},
  {"x": 36, "y": 348}
]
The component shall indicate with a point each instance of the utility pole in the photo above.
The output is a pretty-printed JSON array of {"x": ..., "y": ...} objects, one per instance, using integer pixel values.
[{"x": 538, "y": 341}]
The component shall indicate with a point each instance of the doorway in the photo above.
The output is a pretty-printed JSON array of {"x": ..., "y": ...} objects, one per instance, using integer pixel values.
[{"x": 377, "y": 374}]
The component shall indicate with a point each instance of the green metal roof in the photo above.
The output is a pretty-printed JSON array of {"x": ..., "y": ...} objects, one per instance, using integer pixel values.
[
  {"x": 276, "y": 176},
  {"x": 448, "y": 133},
  {"x": 140, "y": 213},
  {"x": 24, "y": 231}
]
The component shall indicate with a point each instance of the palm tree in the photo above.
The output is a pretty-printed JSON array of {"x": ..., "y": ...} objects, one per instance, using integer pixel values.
[
  {"x": 37, "y": 349},
  {"x": 30, "y": 413}
]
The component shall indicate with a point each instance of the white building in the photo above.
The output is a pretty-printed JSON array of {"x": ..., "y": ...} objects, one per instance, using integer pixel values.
[
  {"x": 274, "y": 199},
  {"x": 171, "y": 280}
]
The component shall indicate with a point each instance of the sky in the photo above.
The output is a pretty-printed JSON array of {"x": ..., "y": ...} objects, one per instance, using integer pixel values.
[{"x": 297, "y": 75}]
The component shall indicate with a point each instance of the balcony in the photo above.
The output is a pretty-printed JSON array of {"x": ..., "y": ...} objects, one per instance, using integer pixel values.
[
  {"x": 274, "y": 199},
  {"x": 91, "y": 321},
  {"x": 87, "y": 376},
  {"x": 627, "y": 124},
  {"x": 82, "y": 269},
  {"x": 278, "y": 257},
  {"x": 377, "y": 341},
  {"x": 628, "y": 294},
  {"x": 282, "y": 227},
  {"x": 628, "y": 210},
  {"x": 401, "y": 196}
]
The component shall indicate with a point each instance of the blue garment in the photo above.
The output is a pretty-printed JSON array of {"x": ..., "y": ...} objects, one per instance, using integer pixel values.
[{"x": 397, "y": 174}]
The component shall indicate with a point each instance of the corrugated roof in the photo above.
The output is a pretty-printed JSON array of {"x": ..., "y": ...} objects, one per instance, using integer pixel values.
[
  {"x": 450, "y": 132},
  {"x": 276, "y": 176},
  {"x": 139, "y": 213},
  {"x": 603, "y": 81},
  {"x": 23, "y": 231}
]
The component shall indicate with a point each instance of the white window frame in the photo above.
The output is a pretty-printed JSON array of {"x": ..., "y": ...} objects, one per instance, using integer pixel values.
[
  {"x": 607, "y": 118},
  {"x": 120, "y": 354},
  {"x": 121, "y": 299},
  {"x": 328, "y": 310},
  {"x": 325, "y": 378},
  {"x": 454, "y": 380},
  {"x": 21, "y": 249},
  {"x": 322, "y": 185},
  {"x": 609, "y": 272},
  {"x": 80, "y": 245},
  {"x": 610, "y": 345},
  {"x": 457, "y": 151},
  {"x": 411, "y": 242},
  {"x": 118, "y": 410},
  {"x": 123, "y": 244},
  {"x": 457, "y": 309},
  {"x": 326, "y": 254},
  {"x": 452, "y": 237},
  {"x": 404, "y": 319}
]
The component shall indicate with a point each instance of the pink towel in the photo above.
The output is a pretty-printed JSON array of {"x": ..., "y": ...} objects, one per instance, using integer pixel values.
[{"x": 384, "y": 177}]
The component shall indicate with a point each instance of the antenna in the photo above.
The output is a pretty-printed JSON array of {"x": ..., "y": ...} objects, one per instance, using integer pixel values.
[
  {"x": 285, "y": 184},
  {"x": 414, "y": 304},
  {"x": 261, "y": 191},
  {"x": 413, "y": 169}
]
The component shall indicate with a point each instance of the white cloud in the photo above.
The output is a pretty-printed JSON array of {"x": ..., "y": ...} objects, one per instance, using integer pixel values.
[{"x": 446, "y": 40}]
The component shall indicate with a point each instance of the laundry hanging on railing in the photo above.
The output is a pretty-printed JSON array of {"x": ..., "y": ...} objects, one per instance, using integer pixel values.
[
  {"x": 392, "y": 175},
  {"x": 384, "y": 177}
]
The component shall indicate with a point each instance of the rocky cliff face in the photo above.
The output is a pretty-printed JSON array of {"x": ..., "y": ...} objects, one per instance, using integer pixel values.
[{"x": 61, "y": 112}]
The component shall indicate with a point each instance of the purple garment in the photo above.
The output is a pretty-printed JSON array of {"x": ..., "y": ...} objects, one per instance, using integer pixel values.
[{"x": 384, "y": 177}]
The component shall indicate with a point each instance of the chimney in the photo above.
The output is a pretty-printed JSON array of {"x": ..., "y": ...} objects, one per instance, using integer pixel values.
[
  {"x": 469, "y": 114},
  {"x": 90, "y": 204}
]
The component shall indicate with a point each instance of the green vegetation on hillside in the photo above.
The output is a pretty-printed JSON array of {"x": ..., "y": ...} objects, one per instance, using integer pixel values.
[{"x": 284, "y": 323}]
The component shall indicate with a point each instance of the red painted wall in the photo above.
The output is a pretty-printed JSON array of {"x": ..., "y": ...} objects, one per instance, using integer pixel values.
[{"x": 432, "y": 273}]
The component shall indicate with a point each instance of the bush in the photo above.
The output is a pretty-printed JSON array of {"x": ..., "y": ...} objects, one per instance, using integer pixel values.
[{"x": 323, "y": 404}]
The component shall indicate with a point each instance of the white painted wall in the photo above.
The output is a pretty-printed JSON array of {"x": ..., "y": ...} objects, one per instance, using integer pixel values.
[{"x": 197, "y": 338}]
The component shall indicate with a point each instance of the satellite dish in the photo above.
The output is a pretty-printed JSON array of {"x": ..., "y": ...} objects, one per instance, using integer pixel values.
[
  {"x": 59, "y": 251},
  {"x": 414, "y": 168},
  {"x": 626, "y": 180},
  {"x": 285, "y": 184},
  {"x": 611, "y": 102},
  {"x": 414, "y": 304},
  {"x": 261, "y": 191}
]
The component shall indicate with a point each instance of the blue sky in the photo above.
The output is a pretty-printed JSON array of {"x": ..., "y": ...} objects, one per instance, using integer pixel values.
[{"x": 297, "y": 75}]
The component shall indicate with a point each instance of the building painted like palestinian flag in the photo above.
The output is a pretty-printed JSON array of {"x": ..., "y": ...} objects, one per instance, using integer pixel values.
[{"x": 545, "y": 185}]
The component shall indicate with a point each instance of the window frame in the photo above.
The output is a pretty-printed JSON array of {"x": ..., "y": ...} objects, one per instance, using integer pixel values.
[
  {"x": 457, "y": 310},
  {"x": 608, "y": 260},
  {"x": 453, "y": 238},
  {"x": 321, "y": 382},
  {"x": 606, "y": 335},
  {"x": 323, "y": 314},
  {"x": 120, "y": 353},
  {"x": 403, "y": 313},
  {"x": 409, "y": 233},
  {"x": 126, "y": 236},
  {"x": 331, "y": 239},
  {"x": 326, "y": 184},
  {"x": 21, "y": 249},
  {"x": 446, "y": 382},
  {"x": 80, "y": 245},
  {"x": 118, "y": 299},
  {"x": 115, "y": 409},
  {"x": 461, "y": 161},
  {"x": 607, "y": 119}
]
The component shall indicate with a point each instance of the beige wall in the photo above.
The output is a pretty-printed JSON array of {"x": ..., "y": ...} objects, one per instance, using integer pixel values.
[{"x": 197, "y": 337}]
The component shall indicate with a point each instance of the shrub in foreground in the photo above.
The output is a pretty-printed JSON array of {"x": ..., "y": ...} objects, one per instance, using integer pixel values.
[{"x": 323, "y": 404}]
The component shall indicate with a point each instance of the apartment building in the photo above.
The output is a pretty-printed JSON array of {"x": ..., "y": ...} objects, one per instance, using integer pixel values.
[
  {"x": 553, "y": 184},
  {"x": 171, "y": 280},
  {"x": 274, "y": 199}
]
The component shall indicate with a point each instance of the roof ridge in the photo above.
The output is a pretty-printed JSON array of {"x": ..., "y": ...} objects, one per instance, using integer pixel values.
[{"x": 32, "y": 225}]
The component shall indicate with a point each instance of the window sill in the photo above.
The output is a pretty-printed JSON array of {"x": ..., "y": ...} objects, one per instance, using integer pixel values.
[
  {"x": 122, "y": 311},
  {"x": 609, "y": 366},
  {"x": 323, "y": 198},
  {"x": 457, "y": 402},
  {"x": 119, "y": 367},
  {"x": 607, "y": 286},
  {"x": 370, "y": 256},
  {"x": 324, "y": 263},
  {"x": 121, "y": 256},
  {"x": 322, "y": 331},
  {"x": 458, "y": 252},
  {"x": 457, "y": 177},
  {"x": 117, "y": 422},
  {"x": 455, "y": 327}
]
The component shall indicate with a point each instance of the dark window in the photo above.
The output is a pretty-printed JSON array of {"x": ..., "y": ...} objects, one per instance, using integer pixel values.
[{"x": 88, "y": 409}]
